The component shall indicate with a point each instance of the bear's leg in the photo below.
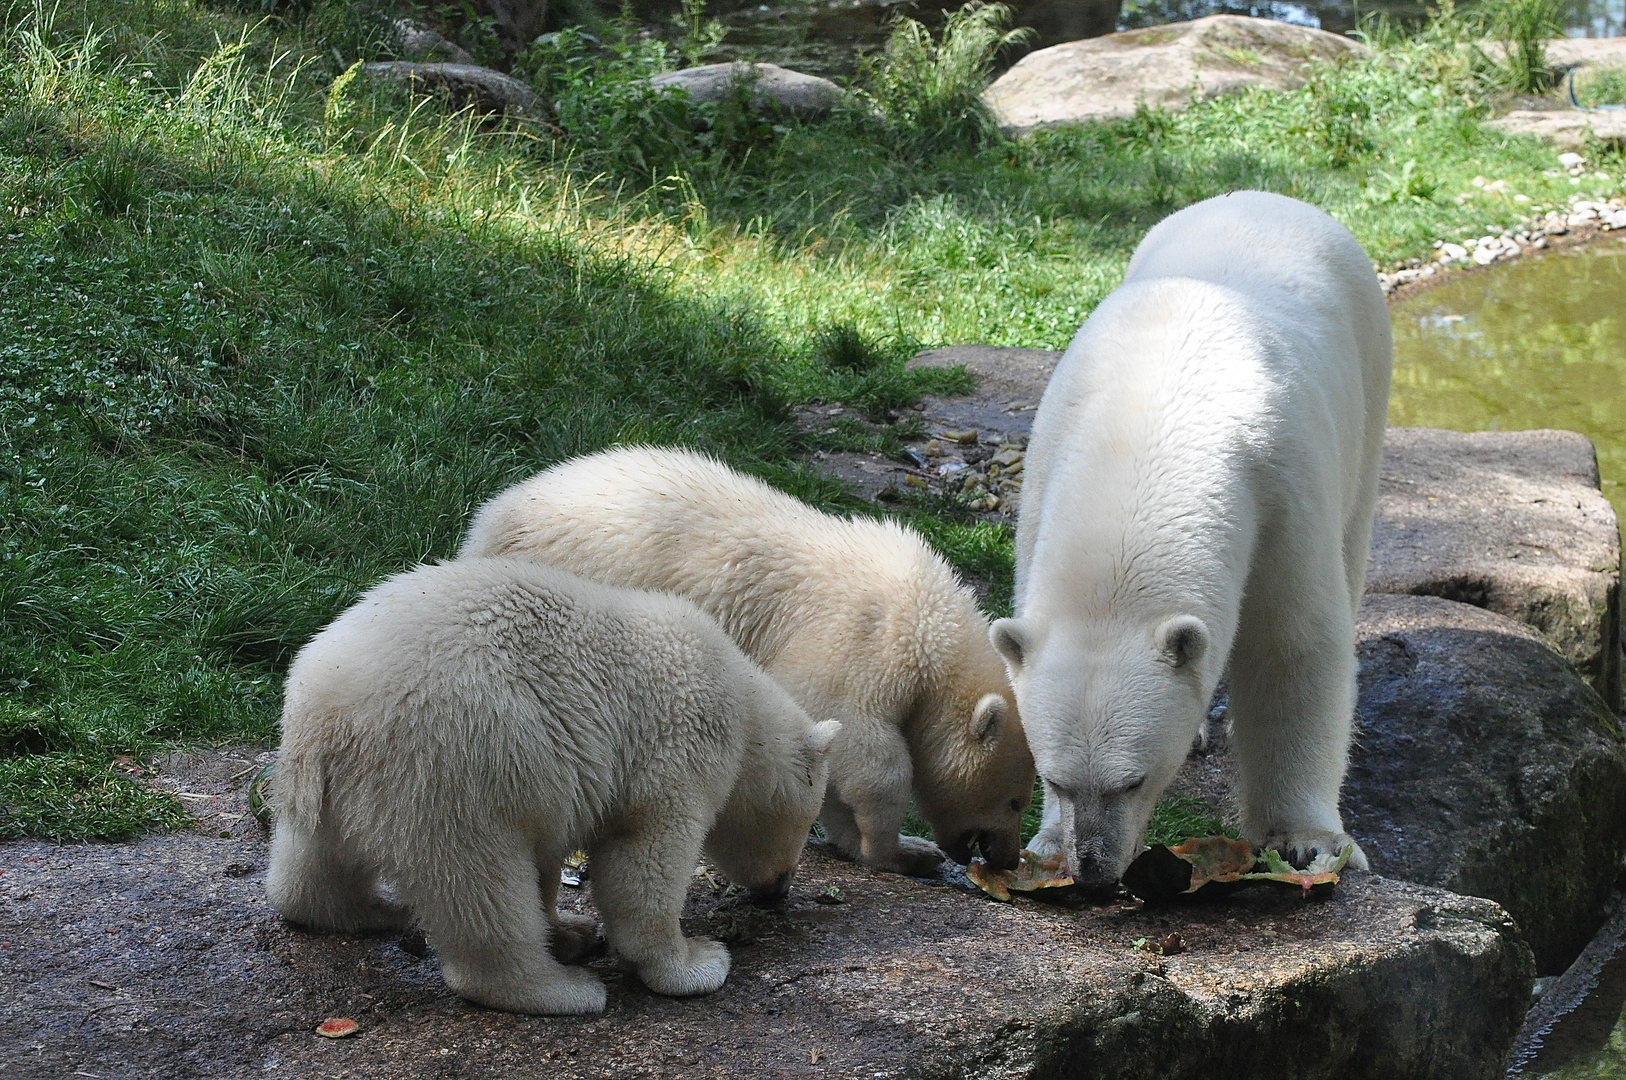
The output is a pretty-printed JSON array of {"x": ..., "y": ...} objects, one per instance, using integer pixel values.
[
  {"x": 487, "y": 924},
  {"x": 573, "y": 935},
  {"x": 1292, "y": 703},
  {"x": 1049, "y": 839},
  {"x": 640, "y": 879},
  {"x": 868, "y": 798},
  {"x": 315, "y": 880}
]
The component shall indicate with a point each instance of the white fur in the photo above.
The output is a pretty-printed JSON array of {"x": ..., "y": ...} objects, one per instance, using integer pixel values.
[
  {"x": 1198, "y": 495},
  {"x": 858, "y": 619},
  {"x": 463, "y": 727}
]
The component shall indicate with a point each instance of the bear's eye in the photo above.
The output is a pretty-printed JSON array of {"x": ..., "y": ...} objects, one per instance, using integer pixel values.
[
  {"x": 1136, "y": 786},
  {"x": 1016, "y": 805}
]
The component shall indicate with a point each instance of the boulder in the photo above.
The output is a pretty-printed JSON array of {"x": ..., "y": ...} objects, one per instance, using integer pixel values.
[
  {"x": 1513, "y": 522},
  {"x": 1568, "y": 129},
  {"x": 468, "y": 84},
  {"x": 1566, "y": 53},
  {"x": 805, "y": 96},
  {"x": 1482, "y": 764},
  {"x": 1485, "y": 766},
  {"x": 415, "y": 41},
  {"x": 161, "y": 958},
  {"x": 1167, "y": 67}
]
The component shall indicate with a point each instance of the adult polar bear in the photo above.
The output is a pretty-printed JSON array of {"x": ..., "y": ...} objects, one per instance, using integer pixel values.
[{"x": 1198, "y": 494}]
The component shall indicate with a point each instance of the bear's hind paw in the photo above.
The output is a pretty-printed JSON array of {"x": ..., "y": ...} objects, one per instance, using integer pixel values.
[
  {"x": 566, "y": 992},
  {"x": 915, "y": 857},
  {"x": 573, "y": 937},
  {"x": 703, "y": 970}
]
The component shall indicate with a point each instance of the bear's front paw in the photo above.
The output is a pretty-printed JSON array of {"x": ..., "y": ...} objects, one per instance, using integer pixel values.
[
  {"x": 573, "y": 937},
  {"x": 916, "y": 857},
  {"x": 1047, "y": 841},
  {"x": 702, "y": 969},
  {"x": 1301, "y": 848},
  {"x": 543, "y": 990}
]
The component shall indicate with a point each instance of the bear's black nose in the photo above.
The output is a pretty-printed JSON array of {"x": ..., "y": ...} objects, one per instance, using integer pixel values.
[
  {"x": 1002, "y": 850},
  {"x": 1093, "y": 875}
]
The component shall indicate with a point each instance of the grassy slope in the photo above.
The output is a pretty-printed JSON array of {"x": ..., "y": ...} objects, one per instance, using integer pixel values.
[{"x": 254, "y": 357}]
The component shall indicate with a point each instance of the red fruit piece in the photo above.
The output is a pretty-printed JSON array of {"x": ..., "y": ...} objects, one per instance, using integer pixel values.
[{"x": 337, "y": 1028}]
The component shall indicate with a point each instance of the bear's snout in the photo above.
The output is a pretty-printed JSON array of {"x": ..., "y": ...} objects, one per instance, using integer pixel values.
[
  {"x": 1003, "y": 851},
  {"x": 1092, "y": 874}
]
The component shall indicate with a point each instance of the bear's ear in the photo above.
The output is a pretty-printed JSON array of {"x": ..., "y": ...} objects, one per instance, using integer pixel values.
[
  {"x": 1182, "y": 640},
  {"x": 988, "y": 716},
  {"x": 1011, "y": 639}
]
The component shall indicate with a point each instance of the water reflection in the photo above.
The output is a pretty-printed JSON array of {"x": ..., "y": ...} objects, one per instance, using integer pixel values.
[{"x": 1537, "y": 343}]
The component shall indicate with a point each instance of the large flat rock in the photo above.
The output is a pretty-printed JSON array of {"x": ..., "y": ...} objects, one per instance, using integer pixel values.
[
  {"x": 1513, "y": 522},
  {"x": 1482, "y": 764},
  {"x": 1567, "y": 129},
  {"x": 1107, "y": 78},
  {"x": 160, "y": 959}
]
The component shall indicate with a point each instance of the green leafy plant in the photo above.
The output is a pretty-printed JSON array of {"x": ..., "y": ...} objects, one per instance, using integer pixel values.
[
  {"x": 930, "y": 92},
  {"x": 1410, "y": 184},
  {"x": 1523, "y": 27},
  {"x": 1596, "y": 86},
  {"x": 697, "y": 35}
]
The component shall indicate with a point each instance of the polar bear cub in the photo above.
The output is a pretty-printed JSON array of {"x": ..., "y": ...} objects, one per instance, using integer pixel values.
[
  {"x": 1198, "y": 497},
  {"x": 465, "y": 726},
  {"x": 859, "y": 620}
]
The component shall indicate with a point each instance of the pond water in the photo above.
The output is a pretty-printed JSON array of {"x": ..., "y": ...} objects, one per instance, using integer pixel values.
[{"x": 1536, "y": 343}]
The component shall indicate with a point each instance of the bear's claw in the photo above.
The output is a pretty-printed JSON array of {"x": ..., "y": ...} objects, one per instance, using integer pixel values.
[{"x": 1301, "y": 848}]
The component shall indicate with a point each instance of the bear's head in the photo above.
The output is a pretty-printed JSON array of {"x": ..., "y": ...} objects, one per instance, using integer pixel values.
[
  {"x": 758, "y": 837},
  {"x": 1111, "y": 712},
  {"x": 974, "y": 776}
]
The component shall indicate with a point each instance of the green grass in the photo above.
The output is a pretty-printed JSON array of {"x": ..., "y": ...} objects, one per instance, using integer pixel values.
[{"x": 265, "y": 338}]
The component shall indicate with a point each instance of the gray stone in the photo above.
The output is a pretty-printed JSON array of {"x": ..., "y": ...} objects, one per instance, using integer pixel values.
[
  {"x": 1565, "y": 53},
  {"x": 1482, "y": 764},
  {"x": 468, "y": 84},
  {"x": 806, "y": 96},
  {"x": 1513, "y": 522},
  {"x": 161, "y": 959},
  {"x": 1167, "y": 67},
  {"x": 1567, "y": 129},
  {"x": 415, "y": 41}
]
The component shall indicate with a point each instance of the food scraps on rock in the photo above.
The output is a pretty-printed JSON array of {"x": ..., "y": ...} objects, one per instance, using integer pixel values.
[
  {"x": 1033, "y": 872},
  {"x": 1218, "y": 864},
  {"x": 337, "y": 1027}
]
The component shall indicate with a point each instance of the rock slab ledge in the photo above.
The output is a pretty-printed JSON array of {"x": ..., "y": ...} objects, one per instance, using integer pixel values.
[{"x": 161, "y": 959}]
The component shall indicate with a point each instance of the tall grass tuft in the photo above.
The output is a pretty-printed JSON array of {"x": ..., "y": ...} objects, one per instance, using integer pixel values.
[
  {"x": 930, "y": 93},
  {"x": 1523, "y": 27}
]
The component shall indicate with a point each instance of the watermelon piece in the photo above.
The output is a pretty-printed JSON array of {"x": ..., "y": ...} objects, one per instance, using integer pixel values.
[
  {"x": 1033, "y": 872},
  {"x": 1218, "y": 863},
  {"x": 337, "y": 1027}
]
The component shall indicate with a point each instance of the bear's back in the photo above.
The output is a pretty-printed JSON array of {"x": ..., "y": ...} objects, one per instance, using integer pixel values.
[
  {"x": 768, "y": 567},
  {"x": 521, "y": 682}
]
